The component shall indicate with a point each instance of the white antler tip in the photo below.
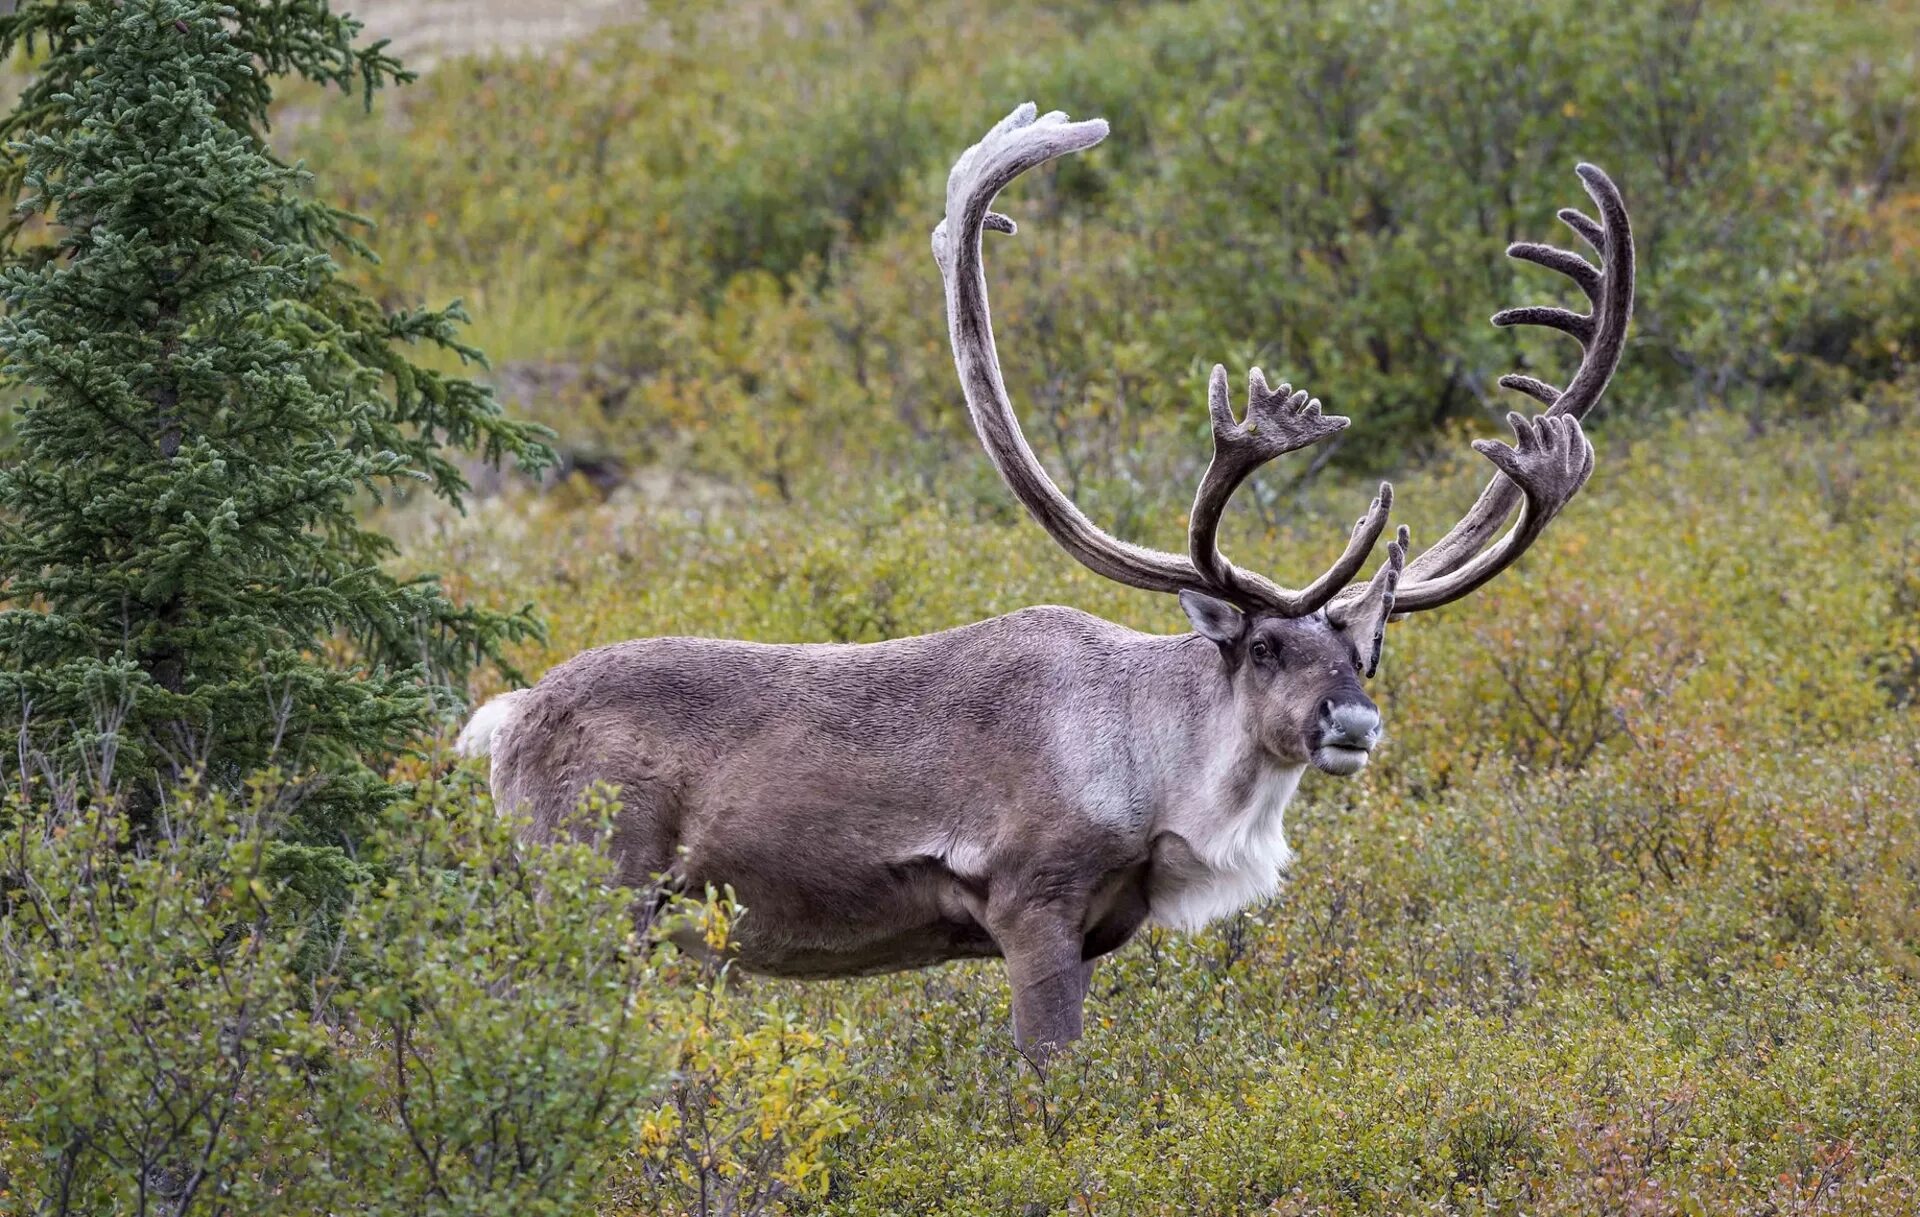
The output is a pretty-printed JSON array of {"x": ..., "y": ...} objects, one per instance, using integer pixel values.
[{"x": 1219, "y": 406}]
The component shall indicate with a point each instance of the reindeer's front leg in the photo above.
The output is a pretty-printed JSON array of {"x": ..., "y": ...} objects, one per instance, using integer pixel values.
[
  {"x": 1042, "y": 947},
  {"x": 1039, "y": 921}
]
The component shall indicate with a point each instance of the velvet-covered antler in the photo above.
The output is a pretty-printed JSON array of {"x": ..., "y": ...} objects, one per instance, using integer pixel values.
[
  {"x": 1276, "y": 422},
  {"x": 1548, "y": 463},
  {"x": 1551, "y": 457}
]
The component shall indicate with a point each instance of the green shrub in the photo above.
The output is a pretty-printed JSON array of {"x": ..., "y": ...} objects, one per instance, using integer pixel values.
[{"x": 482, "y": 1030}]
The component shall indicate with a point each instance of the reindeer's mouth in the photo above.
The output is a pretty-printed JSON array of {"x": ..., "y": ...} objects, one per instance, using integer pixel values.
[
  {"x": 1341, "y": 760},
  {"x": 1348, "y": 732}
]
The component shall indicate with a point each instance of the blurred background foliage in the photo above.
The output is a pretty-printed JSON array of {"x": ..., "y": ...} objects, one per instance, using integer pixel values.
[
  {"x": 1622, "y": 922},
  {"x": 717, "y": 220}
]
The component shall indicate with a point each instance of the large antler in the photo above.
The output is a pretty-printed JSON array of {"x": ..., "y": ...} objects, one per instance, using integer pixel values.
[
  {"x": 1276, "y": 422},
  {"x": 1551, "y": 458}
]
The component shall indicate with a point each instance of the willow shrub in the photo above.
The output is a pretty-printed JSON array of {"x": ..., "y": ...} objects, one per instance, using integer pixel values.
[{"x": 482, "y": 1030}]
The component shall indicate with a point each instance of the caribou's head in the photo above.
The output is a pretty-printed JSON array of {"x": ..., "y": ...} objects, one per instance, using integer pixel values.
[
  {"x": 1296, "y": 658},
  {"x": 1296, "y": 683}
]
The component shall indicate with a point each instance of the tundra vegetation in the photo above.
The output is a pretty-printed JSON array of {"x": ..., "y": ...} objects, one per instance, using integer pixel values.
[{"x": 1625, "y": 916}]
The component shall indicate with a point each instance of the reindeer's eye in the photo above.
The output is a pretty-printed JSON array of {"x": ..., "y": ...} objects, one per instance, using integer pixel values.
[{"x": 1262, "y": 651}]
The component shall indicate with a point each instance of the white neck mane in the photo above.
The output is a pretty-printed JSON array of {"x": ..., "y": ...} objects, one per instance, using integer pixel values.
[{"x": 1238, "y": 832}]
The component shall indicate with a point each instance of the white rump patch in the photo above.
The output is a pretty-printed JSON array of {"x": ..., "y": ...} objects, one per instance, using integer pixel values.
[
  {"x": 1246, "y": 857},
  {"x": 476, "y": 738}
]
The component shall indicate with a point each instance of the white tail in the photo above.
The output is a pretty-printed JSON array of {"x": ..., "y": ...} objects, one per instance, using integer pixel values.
[{"x": 476, "y": 738}]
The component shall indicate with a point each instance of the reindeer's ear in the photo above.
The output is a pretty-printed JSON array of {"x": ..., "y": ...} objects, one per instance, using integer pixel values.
[{"x": 1214, "y": 619}]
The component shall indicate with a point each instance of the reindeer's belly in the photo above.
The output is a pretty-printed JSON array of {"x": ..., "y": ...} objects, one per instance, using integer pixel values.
[
  {"x": 917, "y": 947},
  {"x": 846, "y": 921}
]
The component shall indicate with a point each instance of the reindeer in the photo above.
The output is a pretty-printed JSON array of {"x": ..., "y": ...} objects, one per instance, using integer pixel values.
[{"x": 1037, "y": 786}]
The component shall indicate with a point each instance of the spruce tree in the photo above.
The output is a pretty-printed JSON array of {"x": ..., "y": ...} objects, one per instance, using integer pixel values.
[{"x": 187, "y": 585}]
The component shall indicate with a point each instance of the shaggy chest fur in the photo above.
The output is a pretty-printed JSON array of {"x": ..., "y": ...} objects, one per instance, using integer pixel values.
[{"x": 1238, "y": 860}]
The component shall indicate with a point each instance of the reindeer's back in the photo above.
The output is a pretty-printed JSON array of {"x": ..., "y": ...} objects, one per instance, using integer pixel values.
[{"x": 717, "y": 730}]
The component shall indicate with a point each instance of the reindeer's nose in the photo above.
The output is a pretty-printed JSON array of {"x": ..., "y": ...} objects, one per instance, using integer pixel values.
[{"x": 1349, "y": 724}]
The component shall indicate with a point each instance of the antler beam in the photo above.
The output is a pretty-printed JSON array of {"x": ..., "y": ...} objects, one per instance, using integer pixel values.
[{"x": 1276, "y": 422}]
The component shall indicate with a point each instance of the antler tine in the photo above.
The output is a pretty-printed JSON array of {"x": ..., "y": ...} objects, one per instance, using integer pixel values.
[
  {"x": 1375, "y": 601},
  {"x": 1565, "y": 320},
  {"x": 1588, "y": 231},
  {"x": 1553, "y": 458},
  {"x": 1568, "y": 263},
  {"x": 1539, "y": 390},
  {"x": 1278, "y": 421}
]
